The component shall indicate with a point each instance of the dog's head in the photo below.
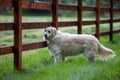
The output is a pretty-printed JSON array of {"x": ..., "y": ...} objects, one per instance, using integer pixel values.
[{"x": 49, "y": 33}]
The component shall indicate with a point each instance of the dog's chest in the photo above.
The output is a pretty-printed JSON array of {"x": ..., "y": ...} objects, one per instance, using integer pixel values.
[{"x": 53, "y": 48}]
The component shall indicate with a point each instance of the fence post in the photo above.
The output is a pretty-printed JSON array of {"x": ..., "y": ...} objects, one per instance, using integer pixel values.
[
  {"x": 111, "y": 20},
  {"x": 97, "y": 18},
  {"x": 79, "y": 13},
  {"x": 17, "y": 34},
  {"x": 55, "y": 13}
]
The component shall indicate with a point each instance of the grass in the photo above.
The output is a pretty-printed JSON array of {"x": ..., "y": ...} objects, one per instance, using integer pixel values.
[{"x": 39, "y": 65}]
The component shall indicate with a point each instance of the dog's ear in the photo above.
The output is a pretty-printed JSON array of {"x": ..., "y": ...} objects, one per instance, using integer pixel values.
[{"x": 54, "y": 31}]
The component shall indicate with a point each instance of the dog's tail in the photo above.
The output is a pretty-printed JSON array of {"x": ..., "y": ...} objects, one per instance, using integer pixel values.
[{"x": 105, "y": 53}]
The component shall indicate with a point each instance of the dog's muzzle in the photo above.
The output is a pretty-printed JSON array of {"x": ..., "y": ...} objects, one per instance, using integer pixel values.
[{"x": 46, "y": 36}]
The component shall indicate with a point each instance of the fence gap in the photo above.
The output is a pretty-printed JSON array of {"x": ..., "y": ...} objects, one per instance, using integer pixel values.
[
  {"x": 17, "y": 4},
  {"x": 55, "y": 13},
  {"x": 111, "y": 20},
  {"x": 79, "y": 17},
  {"x": 97, "y": 18}
]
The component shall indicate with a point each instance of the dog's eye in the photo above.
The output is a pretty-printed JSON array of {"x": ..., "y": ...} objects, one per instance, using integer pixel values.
[{"x": 48, "y": 31}]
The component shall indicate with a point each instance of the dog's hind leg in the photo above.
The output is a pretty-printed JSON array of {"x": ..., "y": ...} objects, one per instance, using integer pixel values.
[
  {"x": 90, "y": 54},
  {"x": 91, "y": 58}
]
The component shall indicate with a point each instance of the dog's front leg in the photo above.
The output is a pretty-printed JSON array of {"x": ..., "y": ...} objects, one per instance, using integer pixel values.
[{"x": 57, "y": 57}]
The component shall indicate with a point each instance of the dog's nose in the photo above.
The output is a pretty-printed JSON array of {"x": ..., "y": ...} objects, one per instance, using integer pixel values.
[{"x": 45, "y": 36}]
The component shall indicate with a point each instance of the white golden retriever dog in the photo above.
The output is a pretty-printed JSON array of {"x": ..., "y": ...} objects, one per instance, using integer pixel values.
[{"x": 61, "y": 45}]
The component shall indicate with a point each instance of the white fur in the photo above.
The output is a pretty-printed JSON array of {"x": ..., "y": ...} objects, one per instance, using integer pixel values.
[{"x": 61, "y": 45}]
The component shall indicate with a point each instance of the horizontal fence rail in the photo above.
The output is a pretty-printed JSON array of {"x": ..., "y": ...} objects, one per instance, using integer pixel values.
[
  {"x": 17, "y": 26},
  {"x": 25, "y": 47},
  {"x": 48, "y": 6},
  {"x": 38, "y": 25}
]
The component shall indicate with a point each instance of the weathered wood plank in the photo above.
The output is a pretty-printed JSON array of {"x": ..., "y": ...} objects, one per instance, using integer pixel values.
[
  {"x": 67, "y": 7},
  {"x": 97, "y": 19},
  {"x": 36, "y": 25},
  {"x": 55, "y": 13},
  {"x": 6, "y": 50},
  {"x": 111, "y": 20},
  {"x": 79, "y": 17},
  {"x": 6, "y": 26},
  {"x": 36, "y": 5},
  {"x": 67, "y": 23},
  {"x": 17, "y": 34},
  {"x": 32, "y": 46},
  {"x": 6, "y": 3}
]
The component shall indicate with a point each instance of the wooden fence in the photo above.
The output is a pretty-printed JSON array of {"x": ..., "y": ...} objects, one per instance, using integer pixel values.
[{"x": 17, "y": 26}]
